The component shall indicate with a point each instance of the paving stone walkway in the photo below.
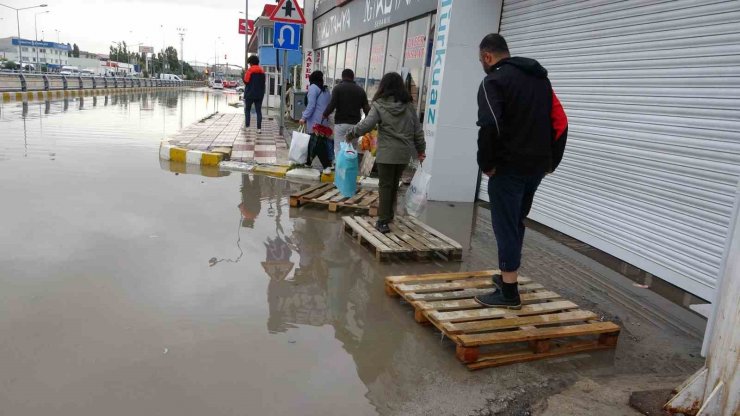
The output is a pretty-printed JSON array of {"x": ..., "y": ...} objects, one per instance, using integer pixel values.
[{"x": 227, "y": 130}]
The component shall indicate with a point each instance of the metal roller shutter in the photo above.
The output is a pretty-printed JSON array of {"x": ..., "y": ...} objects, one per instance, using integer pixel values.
[{"x": 652, "y": 93}]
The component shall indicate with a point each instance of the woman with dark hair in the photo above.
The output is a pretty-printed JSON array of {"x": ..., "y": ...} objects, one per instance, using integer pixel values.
[
  {"x": 400, "y": 137},
  {"x": 318, "y": 99}
]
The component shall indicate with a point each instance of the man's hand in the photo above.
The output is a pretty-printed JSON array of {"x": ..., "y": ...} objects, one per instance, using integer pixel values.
[
  {"x": 302, "y": 121},
  {"x": 490, "y": 172},
  {"x": 422, "y": 156}
]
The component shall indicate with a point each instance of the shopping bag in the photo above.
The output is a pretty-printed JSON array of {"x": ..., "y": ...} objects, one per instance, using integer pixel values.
[
  {"x": 299, "y": 146},
  {"x": 345, "y": 174},
  {"x": 416, "y": 195}
]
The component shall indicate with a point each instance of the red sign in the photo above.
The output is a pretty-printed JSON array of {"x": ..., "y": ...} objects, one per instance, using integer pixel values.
[
  {"x": 288, "y": 11},
  {"x": 242, "y": 29}
]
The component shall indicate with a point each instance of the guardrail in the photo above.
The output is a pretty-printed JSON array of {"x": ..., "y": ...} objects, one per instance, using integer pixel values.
[{"x": 21, "y": 82}]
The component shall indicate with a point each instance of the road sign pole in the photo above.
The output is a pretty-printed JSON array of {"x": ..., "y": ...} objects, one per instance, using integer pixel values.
[
  {"x": 246, "y": 33},
  {"x": 283, "y": 92}
]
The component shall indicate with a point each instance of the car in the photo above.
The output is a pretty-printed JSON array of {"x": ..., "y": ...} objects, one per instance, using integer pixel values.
[
  {"x": 217, "y": 84},
  {"x": 228, "y": 83}
]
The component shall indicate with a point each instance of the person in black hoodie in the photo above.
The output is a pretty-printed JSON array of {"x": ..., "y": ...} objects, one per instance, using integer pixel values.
[{"x": 521, "y": 137}]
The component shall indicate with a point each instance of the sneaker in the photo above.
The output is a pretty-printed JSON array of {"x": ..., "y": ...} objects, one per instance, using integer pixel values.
[
  {"x": 259, "y": 131},
  {"x": 497, "y": 300},
  {"x": 498, "y": 281},
  {"x": 382, "y": 227},
  {"x": 327, "y": 171}
]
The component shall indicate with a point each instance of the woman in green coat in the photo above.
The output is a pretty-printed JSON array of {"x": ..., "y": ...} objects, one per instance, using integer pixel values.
[{"x": 400, "y": 137}]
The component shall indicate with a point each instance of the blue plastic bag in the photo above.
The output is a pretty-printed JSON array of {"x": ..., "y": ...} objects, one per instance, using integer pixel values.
[{"x": 345, "y": 175}]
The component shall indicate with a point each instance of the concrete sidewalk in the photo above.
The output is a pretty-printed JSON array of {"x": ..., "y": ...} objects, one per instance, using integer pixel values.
[{"x": 226, "y": 133}]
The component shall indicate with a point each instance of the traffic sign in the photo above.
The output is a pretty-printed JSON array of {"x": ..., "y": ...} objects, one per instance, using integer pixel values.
[
  {"x": 245, "y": 27},
  {"x": 287, "y": 36},
  {"x": 288, "y": 11}
]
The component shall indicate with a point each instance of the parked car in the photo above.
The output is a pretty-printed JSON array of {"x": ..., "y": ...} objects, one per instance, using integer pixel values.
[
  {"x": 70, "y": 70},
  {"x": 170, "y": 77},
  {"x": 229, "y": 83},
  {"x": 217, "y": 84}
]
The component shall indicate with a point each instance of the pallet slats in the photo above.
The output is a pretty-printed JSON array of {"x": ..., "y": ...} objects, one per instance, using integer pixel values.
[
  {"x": 545, "y": 326},
  {"x": 327, "y": 194},
  {"x": 403, "y": 240}
]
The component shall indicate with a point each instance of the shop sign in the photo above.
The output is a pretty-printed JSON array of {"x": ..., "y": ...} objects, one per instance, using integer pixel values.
[{"x": 364, "y": 16}]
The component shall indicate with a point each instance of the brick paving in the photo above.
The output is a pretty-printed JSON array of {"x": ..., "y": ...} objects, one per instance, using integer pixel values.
[{"x": 228, "y": 130}]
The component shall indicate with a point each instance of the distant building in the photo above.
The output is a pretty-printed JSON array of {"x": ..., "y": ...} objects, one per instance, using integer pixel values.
[{"x": 52, "y": 54}]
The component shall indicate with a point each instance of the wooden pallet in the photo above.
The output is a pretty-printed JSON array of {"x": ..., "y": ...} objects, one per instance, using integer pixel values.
[
  {"x": 328, "y": 194},
  {"x": 409, "y": 237},
  {"x": 546, "y": 325}
]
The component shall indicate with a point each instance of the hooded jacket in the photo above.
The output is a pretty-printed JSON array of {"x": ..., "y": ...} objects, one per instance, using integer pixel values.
[
  {"x": 254, "y": 83},
  {"x": 522, "y": 125},
  {"x": 400, "y": 136}
]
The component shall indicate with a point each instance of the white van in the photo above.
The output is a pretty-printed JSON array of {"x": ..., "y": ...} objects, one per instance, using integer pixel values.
[
  {"x": 170, "y": 77},
  {"x": 70, "y": 70}
]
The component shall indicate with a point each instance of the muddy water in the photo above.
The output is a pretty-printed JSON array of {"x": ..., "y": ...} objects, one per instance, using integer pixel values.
[{"x": 129, "y": 289}]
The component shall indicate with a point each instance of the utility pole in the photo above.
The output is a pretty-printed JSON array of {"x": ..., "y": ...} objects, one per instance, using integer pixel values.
[
  {"x": 181, "y": 31},
  {"x": 36, "y": 30},
  {"x": 246, "y": 33},
  {"x": 18, "y": 23}
]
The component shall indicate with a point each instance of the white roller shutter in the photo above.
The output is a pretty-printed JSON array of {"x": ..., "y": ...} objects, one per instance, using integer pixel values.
[{"x": 652, "y": 93}]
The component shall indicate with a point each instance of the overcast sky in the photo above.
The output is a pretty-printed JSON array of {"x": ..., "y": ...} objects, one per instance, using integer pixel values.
[{"x": 95, "y": 24}]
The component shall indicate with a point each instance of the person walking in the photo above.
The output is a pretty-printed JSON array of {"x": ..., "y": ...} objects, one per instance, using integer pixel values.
[
  {"x": 254, "y": 91},
  {"x": 516, "y": 148},
  {"x": 348, "y": 99},
  {"x": 318, "y": 99},
  {"x": 400, "y": 137}
]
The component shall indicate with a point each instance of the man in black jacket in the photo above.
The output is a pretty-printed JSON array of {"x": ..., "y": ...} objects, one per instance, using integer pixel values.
[
  {"x": 348, "y": 99},
  {"x": 516, "y": 148}
]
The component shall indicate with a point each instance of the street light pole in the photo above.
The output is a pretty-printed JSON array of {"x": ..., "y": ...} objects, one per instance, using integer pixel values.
[
  {"x": 18, "y": 22},
  {"x": 246, "y": 33},
  {"x": 36, "y": 30},
  {"x": 181, "y": 32}
]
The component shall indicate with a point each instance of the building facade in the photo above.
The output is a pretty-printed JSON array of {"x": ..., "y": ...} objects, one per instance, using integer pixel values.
[
  {"x": 651, "y": 90},
  {"x": 37, "y": 53},
  {"x": 261, "y": 43}
]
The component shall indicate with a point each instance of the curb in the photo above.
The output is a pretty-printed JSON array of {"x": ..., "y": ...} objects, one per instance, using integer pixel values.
[
  {"x": 47, "y": 95},
  {"x": 271, "y": 170},
  {"x": 190, "y": 157}
]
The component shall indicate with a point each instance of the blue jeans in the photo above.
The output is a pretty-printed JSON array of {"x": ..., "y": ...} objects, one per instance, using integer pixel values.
[
  {"x": 248, "y": 111},
  {"x": 511, "y": 199}
]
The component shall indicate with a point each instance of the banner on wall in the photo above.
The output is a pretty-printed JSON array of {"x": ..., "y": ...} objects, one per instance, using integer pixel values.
[{"x": 308, "y": 66}]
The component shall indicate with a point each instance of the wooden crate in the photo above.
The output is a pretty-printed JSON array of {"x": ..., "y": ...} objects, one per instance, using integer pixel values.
[
  {"x": 327, "y": 194},
  {"x": 546, "y": 325},
  {"x": 409, "y": 237}
]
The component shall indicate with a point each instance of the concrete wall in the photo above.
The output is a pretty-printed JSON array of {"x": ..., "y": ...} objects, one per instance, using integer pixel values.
[{"x": 451, "y": 114}]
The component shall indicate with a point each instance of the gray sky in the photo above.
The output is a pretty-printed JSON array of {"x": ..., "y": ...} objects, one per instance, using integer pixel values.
[{"x": 95, "y": 24}]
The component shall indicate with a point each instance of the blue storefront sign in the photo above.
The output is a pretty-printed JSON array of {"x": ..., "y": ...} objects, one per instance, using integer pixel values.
[{"x": 40, "y": 44}]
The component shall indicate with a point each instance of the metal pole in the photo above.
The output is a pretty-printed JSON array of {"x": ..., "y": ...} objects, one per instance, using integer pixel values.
[
  {"x": 246, "y": 33},
  {"x": 18, "y": 21},
  {"x": 282, "y": 91},
  {"x": 36, "y": 35}
]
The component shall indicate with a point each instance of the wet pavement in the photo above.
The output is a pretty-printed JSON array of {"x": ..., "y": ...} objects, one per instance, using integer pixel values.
[{"x": 129, "y": 289}]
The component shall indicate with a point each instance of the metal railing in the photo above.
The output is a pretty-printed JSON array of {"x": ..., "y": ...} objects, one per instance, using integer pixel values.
[{"x": 12, "y": 81}]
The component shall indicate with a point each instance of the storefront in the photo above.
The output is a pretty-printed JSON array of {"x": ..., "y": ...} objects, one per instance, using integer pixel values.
[{"x": 375, "y": 37}]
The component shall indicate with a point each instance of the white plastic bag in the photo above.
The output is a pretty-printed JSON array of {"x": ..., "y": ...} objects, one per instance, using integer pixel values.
[
  {"x": 299, "y": 146},
  {"x": 416, "y": 195}
]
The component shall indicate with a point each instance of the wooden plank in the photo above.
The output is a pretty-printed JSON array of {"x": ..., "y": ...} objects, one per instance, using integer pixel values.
[
  {"x": 465, "y": 293},
  {"x": 396, "y": 239},
  {"x": 525, "y": 355},
  {"x": 448, "y": 240},
  {"x": 370, "y": 199},
  {"x": 338, "y": 197},
  {"x": 488, "y": 338},
  {"x": 439, "y": 276},
  {"x": 496, "y": 324},
  {"x": 487, "y": 313},
  {"x": 426, "y": 242},
  {"x": 441, "y": 245},
  {"x": 367, "y": 236},
  {"x": 318, "y": 191},
  {"x": 327, "y": 195},
  {"x": 536, "y": 297},
  {"x": 369, "y": 229},
  {"x": 358, "y": 196},
  {"x": 420, "y": 248},
  {"x": 472, "y": 283}
]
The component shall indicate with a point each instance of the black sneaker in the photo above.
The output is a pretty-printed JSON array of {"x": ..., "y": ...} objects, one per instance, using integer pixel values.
[
  {"x": 382, "y": 227},
  {"x": 497, "y": 300},
  {"x": 498, "y": 281}
]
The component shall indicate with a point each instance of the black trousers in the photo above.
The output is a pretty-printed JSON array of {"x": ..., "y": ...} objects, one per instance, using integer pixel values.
[
  {"x": 248, "y": 111},
  {"x": 389, "y": 174}
]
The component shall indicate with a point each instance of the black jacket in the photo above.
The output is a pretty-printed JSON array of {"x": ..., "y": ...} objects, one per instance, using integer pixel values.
[
  {"x": 515, "y": 102},
  {"x": 348, "y": 99}
]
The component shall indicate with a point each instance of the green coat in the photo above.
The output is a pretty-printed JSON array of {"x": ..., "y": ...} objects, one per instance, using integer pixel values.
[{"x": 400, "y": 136}]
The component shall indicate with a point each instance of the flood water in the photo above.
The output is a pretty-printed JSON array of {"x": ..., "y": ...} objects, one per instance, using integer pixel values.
[{"x": 128, "y": 289}]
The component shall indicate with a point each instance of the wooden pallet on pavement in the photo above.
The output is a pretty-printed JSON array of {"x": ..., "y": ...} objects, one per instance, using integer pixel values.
[
  {"x": 409, "y": 237},
  {"x": 546, "y": 326},
  {"x": 327, "y": 194}
]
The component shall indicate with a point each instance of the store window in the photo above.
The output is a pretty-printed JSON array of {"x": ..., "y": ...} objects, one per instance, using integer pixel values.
[
  {"x": 363, "y": 58},
  {"x": 377, "y": 53},
  {"x": 331, "y": 66},
  {"x": 428, "y": 64},
  {"x": 394, "y": 54},
  {"x": 324, "y": 59},
  {"x": 415, "y": 55},
  {"x": 341, "y": 54},
  {"x": 351, "y": 54}
]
